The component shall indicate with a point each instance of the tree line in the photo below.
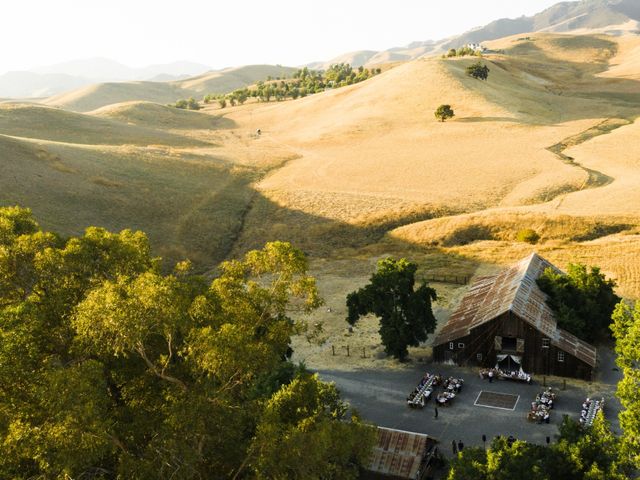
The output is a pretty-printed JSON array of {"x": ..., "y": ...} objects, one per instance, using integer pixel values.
[{"x": 303, "y": 82}]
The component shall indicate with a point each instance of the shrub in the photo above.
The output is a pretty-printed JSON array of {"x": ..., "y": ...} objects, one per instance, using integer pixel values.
[
  {"x": 528, "y": 235},
  {"x": 468, "y": 234},
  {"x": 189, "y": 104}
]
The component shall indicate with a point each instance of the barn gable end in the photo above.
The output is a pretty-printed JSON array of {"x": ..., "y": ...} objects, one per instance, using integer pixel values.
[{"x": 511, "y": 306}]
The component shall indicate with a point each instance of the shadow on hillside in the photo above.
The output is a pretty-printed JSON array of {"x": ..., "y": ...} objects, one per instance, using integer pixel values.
[
  {"x": 488, "y": 119},
  {"x": 266, "y": 221},
  {"x": 221, "y": 122},
  {"x": 206, "y": 211}
]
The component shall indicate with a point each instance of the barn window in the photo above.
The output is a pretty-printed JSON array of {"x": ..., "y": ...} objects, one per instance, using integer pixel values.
[
  {"x": 545, "y": 343},
  {"x": 450, "y": 345},
  {"x": 479, "y": 356},
  {"x": 460, "y": 345},
  {"x": 561, "y": 356}
]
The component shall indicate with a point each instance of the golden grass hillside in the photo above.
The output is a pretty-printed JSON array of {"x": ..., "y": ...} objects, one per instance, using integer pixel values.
[
  {"x": 99, "y": 95},
  {"x": 183, "y": 177},
  {"x": 47, "y": 123},
  {"x": 233, "y": 78},
  {"x": 189, "y": 205},
  {"x": 373, "y": 153},
  {"x": 159, "y": 116},
  {"x": 337, "y": 170}
]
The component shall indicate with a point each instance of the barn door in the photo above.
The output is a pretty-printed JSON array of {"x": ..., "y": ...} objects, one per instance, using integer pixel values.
[
  {"x": 497, "y": 344},
  {"x": 520, "y": 345}
]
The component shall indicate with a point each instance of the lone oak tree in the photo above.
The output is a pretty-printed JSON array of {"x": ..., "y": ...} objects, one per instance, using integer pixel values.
[
  {"x": 405, "y": 313},
  {"x": 110, "y": 368},
  {"x": 478, "y": 71},
  {"x": 443, "y": 112}
]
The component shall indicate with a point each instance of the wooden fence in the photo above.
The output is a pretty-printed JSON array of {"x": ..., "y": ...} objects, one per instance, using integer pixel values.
[{"x": 457, "y": 279}]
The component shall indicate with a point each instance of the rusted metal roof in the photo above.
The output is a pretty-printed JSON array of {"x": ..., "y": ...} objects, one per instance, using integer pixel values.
[
  {"x": 399, "y": 453},
  {"x": 514, "y": 289}
]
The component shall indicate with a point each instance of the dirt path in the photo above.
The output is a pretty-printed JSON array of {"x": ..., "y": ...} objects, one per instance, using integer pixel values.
[{"x": 595, "y": 178}]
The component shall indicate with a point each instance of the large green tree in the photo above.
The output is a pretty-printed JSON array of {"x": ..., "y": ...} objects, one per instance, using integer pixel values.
[
  {"x": 591, "y": 453},
  {"x": 626, "y": 329},
  {"x": 583, "y": 299},
  {"x": 405, "y": 313},
  {"x": 110, "y": 368}
]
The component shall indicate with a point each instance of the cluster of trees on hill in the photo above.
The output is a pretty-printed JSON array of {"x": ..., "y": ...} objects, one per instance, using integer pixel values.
[
  {"x": 110, "y": 368},
  {"x": 188, "y": 104},
  {"x": 303, "y": 82},
  {"x": 462, "y": 52}
]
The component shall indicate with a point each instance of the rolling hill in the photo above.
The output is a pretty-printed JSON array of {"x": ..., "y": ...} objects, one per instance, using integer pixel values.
[
  {"x": 232, "y": 78},
  {"x": 47, "y": 123},
  {"x": 149, "y": 114},
  {"x": 382, "y": 127},
  {"x": 99, "y": 95},
  {"x": 188, "y": 203},
  {"x": 373, "y": 157},
  {"x": 615, "y": 17}
]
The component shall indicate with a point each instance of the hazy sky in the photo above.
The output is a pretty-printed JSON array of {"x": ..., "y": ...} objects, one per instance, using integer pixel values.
[{"x": 222, "y": 33}]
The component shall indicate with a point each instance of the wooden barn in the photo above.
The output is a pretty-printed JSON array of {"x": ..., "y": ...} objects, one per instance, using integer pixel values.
[{"x": 504, "y": 319}]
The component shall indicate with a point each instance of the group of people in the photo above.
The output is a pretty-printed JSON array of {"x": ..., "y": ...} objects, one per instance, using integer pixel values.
[
  {"x": 590, "y": 408},
  {"x": 423, "y": 391},
  {"x": 451, "y": 386},
  {"x": 492, "y": 373},
  {"x": 541, "y": 407}
]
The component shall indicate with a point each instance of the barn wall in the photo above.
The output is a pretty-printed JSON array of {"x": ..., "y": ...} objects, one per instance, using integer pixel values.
[{"x": 535, "y": 359}]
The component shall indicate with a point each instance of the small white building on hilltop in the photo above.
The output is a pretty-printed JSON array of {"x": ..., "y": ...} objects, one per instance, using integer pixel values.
[{"x": 477, "y": 47}]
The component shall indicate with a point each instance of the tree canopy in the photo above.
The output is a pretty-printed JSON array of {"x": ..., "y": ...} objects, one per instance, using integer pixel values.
[
  {"x": 590, "y": 453},
  {"x": 444, "y": 112},
  {"x": 110, "y": 368},
  {"x": 303, "y": 82},
  {"x": 478, "y": 71},
  {"x": 405, "y": 313},
  {"x": 583, "y": 299},
  {"x": 188, "y": 104},
  {"x": 626, "y": 330}
]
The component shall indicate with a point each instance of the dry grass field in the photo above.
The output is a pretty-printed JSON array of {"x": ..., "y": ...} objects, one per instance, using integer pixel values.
[
  {"x": 549, "y": 142},
  {"x": 99, "y": 95}
]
